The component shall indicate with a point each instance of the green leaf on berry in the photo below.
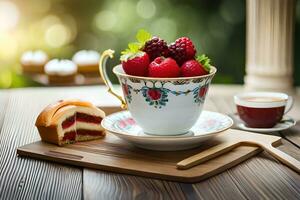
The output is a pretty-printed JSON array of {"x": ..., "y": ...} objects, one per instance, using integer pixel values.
[
  {"x": 133, "y": 49},
  {"x": 143, "y": 36},
  {"x": 130, "y": 55},
  {"x": 205, "y": 62}
]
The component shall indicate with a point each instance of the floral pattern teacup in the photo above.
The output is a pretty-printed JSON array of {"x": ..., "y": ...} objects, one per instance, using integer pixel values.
[{"x": 161, "y": 106}]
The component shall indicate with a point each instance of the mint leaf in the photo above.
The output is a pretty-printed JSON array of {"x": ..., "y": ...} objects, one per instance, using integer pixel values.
[
  {"x": 134, "y": 47},
  {"x": 126, "y": 56},
  {"x": 205, "y": 61},
  {"x": 131, "y": 51},
  {"x": 142, "y": 36},
  {"x": 130, "y": 55}
]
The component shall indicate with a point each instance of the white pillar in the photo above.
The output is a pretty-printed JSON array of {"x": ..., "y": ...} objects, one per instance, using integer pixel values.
[{"x": 269, "y": 53}]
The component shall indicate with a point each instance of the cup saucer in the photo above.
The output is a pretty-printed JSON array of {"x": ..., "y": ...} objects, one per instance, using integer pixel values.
[
  {"x": 207, "y": 126},
  {"x": 286, "y": 123}
]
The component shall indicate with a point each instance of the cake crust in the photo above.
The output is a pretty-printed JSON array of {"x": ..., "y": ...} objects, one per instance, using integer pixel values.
[{"x": 45, "y": 117}]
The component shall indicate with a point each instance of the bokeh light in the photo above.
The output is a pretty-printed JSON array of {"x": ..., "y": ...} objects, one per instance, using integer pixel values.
[
  {"x": 39, "y": 6},
  {"x": 5, "y": 78},
  {"x": 105, "y": 20},
  {"x": 126, "y": 15},
  {"x": 49, "y": 20},
  {"x": 8, "y": 47},
  {"x": 165, "y": 28},
  {"x": 9, "y": 15},
  {"x": 218, "y": 28},
  {"x": 231, "y": 11},
  {"x": 57, "y": 35},
  {"x": 146, "y": 8},
  {"x": 62, "y": 27},
  {"x": 71, "y": 25}
]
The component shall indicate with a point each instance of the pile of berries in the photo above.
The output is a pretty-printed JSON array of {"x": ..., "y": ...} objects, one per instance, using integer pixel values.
[{"x": 153, "y": 57}]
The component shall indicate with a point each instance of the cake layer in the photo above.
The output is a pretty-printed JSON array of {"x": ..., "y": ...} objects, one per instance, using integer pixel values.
[
  {"x": 75, "y": 135},
  {"x": 89, "y": 132},
  {"x": 68, "y": 122},
  {"x": 71, "y": 136},
  {"x": 81, "y": 117}
]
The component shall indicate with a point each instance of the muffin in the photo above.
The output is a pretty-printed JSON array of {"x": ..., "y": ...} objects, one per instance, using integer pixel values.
[
  {"x": 87, "y": 62},
  {"x": 34, "y": 61},
  {"x": 61, "y": 71}
]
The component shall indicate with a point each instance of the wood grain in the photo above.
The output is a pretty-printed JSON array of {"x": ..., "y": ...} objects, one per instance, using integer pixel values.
[
  {"x": 227, "y": 185},
  {"x": 258, "y": 178},
  {"x": 116, "y": 155},
  {"x": 26, "y": 178},
  {"x": 3, "y": 105},
  {"x": 105, "y": 185},
  {"x": 293, "y": 134},
  {"x": 263, "y": 177},
  {"x": 252, "y": 179}
]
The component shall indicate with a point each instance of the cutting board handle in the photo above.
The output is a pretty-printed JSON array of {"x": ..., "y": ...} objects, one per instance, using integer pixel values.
[
  {"x": 283, "y": 157},
  {"x": 222, "y": 148},
  {"x": 207, "y": 154}
]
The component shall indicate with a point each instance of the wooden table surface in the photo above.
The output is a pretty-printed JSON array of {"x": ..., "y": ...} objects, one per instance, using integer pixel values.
[{"x": 260, "y": 177}]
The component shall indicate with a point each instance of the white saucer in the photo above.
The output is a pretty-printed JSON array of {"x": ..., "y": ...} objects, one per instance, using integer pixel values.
[
  {"x": 286, "y": 123},
  {"x": 208, "y": 125}
]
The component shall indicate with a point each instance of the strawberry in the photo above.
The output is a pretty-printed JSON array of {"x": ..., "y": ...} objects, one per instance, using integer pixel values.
[
  {"x": 134, "y": 61},
  {"x": 163, "y": 68},
  {"x": 197, "y": 67},
  {"x": 136, "y": 64}
]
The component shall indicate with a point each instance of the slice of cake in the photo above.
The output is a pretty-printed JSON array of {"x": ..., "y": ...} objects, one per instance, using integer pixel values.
[{"x": 68, "y": 121}]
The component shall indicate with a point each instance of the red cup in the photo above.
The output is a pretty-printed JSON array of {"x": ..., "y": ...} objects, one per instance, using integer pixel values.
[{"x": 262, "y": 109}]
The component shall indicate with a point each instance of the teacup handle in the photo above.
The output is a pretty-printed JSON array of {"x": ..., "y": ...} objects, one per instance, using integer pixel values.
[
  {"x": 103, "y": 73},
  {"x": 289, "y": 104}
]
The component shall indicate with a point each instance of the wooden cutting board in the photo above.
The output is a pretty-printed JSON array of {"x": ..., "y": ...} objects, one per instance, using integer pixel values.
[{"x": 116, "y": 155}]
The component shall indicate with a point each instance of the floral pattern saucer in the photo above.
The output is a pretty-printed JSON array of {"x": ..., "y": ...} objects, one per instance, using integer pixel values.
[{"x": 207, "y": 126}]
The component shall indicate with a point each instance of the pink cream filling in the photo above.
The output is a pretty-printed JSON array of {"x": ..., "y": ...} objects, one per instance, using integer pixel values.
[{"x": 80, "y": 117}]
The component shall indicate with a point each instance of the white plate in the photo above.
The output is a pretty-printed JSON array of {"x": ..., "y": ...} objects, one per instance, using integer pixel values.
[
  {"x": 208, "y": 125},
  {"x": 286, "y": 123}
]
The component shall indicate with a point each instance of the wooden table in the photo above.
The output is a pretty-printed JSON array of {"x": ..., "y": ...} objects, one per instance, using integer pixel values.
[{"x": 261, "y": 177}]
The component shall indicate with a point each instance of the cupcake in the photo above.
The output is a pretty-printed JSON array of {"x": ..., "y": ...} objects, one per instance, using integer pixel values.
[
  {"x": 61, "y": 71},
  {"x": 34, "y": 61},
  {"x": 87, "y": 62}
]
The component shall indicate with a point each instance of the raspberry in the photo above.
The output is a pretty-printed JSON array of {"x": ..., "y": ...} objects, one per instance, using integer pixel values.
[
  {"x": 182, "y": 50},
  {"x": 156, "y": 47},
  {"x": 164, "y": 68}
]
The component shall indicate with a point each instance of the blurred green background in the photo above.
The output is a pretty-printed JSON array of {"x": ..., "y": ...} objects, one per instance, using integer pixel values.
[{"x": 62, "y": 27}]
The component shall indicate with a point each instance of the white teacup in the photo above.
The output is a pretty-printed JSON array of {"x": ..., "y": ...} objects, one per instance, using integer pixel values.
[{"x": 161, "y": 106}]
